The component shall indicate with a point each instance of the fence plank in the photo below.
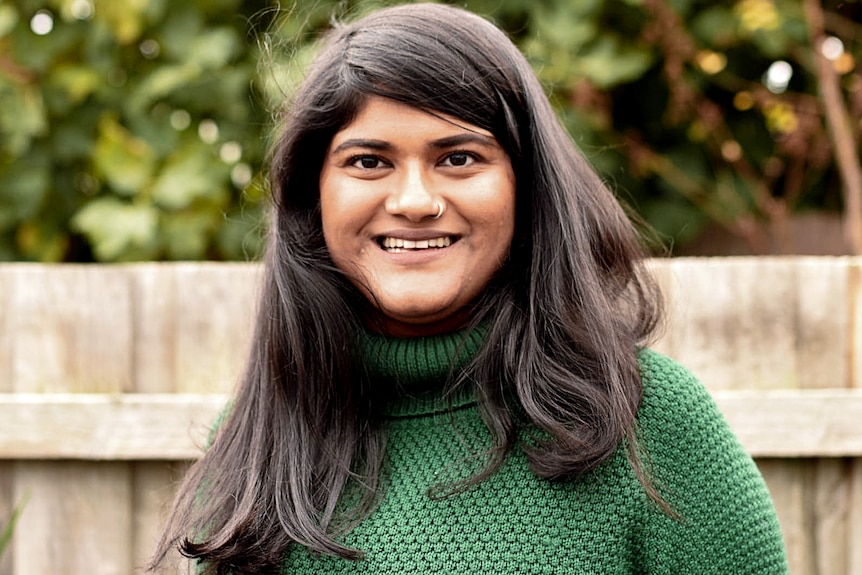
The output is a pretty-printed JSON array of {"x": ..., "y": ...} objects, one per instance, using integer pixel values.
[
  {"x": 72, "y": 333},
  {"x": 7, "y": 504},
  {"x": 7, "y": 471},
  {"x": 106, "y": 427},
  {"x": 822, "y": 326},
  {"x": 215, "y": 321},
  {"x": 854, "y": 531},
  {"x": 777, "y": 423},
  {"x": 830, "y": 508},
  {"x": 63, "y": 339},
  {"x": 823, "y": 332},
  {"x": 80, "y": 524},
  {"x": 154, "y": 485},
  {"x": 194, "y": 324},
  {"x": 7, "y": 349},
  {"x": 795, "y": 423},
  {"x": 785, "y": 479},
  {"x": 855, "y": 314},
  {"x": 732, "y": 322},
  {"x": 155, "y": 328}
]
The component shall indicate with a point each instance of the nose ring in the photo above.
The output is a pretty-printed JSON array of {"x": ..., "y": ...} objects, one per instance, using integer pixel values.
[{"x": 439, "y": 210}]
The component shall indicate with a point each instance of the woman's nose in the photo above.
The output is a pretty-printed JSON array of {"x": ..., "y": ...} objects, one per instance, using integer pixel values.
[{"x": 412, "y": 195}]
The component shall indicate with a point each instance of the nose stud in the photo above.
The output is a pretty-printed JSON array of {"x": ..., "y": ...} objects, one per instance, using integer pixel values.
[{"x": 439, "y": 210}]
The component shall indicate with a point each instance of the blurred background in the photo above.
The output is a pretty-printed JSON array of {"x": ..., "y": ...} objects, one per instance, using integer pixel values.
[{"x": 137, "y": 129}]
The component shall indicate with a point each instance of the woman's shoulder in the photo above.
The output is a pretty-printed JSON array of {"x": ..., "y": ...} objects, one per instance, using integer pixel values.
[
  {"x": 660, "y": 371},
  {"x": 728, "y": 523},
  {"x": 679, "y": 421},
  {"x": 671, "y": 391}
]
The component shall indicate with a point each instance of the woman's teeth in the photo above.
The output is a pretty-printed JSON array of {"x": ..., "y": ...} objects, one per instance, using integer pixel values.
[{"x": 399, "y": 244}]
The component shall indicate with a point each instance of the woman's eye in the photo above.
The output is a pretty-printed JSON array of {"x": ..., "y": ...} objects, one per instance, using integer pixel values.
[
  {"x": 459, "y": 159},
  {"x": 366, "y": 162}
]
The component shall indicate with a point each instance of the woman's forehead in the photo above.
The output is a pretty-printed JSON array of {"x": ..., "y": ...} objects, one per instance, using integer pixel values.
[{"x": 376, "y": 111}]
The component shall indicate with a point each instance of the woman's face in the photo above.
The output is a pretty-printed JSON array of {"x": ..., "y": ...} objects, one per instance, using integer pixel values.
[{"x": 385, "y": 179}]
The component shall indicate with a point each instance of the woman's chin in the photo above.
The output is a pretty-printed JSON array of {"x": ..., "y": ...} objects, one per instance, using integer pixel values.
[{"x": 414, "y": 322}]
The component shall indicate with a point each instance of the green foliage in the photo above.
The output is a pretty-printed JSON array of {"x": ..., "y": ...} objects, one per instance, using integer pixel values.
[
  {"x": 137, "y": 129},
  {"x": 9, "y": 529},
  {"x": 669, "y": 99},
  {"x": 131, "y": 130}
]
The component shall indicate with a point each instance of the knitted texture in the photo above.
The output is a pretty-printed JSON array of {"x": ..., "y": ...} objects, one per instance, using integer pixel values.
[{"x": 516, "y": 523}]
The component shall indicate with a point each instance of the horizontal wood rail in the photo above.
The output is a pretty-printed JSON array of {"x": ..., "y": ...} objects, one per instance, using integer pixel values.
[
  {"x": 127, "y": 427},
  {"x": 795, "y": 423},
  {"x": 773, "y": 423}
]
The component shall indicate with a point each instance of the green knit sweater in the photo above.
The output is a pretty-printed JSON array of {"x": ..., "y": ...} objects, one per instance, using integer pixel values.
[{"x": 516, "y": 523}]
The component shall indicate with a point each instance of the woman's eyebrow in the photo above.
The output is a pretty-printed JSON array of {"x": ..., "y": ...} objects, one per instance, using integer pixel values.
[
  {"x": 461, "y": 139},
  {"x": 379, "y": 145},
  {"x": 442, "y": 143}
]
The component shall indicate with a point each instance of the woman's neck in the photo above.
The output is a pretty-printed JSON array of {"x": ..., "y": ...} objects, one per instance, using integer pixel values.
[{"x": 416, "y": 371}]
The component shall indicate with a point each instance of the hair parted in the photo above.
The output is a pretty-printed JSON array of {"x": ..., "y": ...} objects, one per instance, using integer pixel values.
[{"x": 565, "y": 314}]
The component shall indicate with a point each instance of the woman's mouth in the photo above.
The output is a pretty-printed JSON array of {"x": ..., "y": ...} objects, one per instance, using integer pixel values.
[{"x": 398, "y": 245}]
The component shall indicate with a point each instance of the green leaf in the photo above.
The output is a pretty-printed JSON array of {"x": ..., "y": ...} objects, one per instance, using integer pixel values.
[
  {"x": 8, "y": 19},
  {"x": 716, "y": 26},
  {"x": 213, "y": 49},
  {"x": 23, "y": 187},
  {"x": 161, "y": 82},
  {"x": 560, "y": 33},
  {"x": 22, "y": 117},
  {"x": 76, "y": 81},
  {"x": 187, "y": 234},
  {"x": 126, "y": 18},
  {"x": 9, "y": 528},
  {"x": 607, "y": 63},
  {"x": 773, "y": 43},
  {"x": 126, "y": 162},
  {"x": 675, "y": 219},
  {"x": 118, "y": 231},
  {"x": 189, "y": 174},
  {"x": 216, "y": 6},
  {"x": 568, "y": 26},
  {"x": 73, "y": 140},
  {"x": 572, "y": 43},
  {"x": 42, "y": 240}
]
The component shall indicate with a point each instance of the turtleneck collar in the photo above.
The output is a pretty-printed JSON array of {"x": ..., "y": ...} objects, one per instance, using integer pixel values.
[{"x": 417, "y": 369}]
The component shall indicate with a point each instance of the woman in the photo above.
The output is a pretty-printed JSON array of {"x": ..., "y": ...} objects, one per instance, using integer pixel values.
[{"x": 447, "y": 373}]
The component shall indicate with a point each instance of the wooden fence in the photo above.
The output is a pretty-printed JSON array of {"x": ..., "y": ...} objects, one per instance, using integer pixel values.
[{"x": 110, "y": 376}]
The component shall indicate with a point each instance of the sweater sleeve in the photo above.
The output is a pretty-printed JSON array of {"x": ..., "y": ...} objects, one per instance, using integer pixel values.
[{"x": 726, "y": 519}]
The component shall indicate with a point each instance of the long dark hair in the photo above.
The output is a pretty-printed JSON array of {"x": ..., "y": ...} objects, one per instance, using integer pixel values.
[{"x": 565, "y": 315}]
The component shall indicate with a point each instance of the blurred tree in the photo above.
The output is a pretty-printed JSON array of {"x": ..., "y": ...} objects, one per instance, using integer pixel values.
[
  {"x": 137, "y": 129},
  {"x": 130, "y": 130},
  {"x": 706, "y": 111}
]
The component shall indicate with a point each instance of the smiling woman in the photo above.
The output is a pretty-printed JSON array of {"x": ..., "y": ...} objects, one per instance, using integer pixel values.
[
  {"x": 448, "y": 372},
  {"x": 419, "y": 220}
]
